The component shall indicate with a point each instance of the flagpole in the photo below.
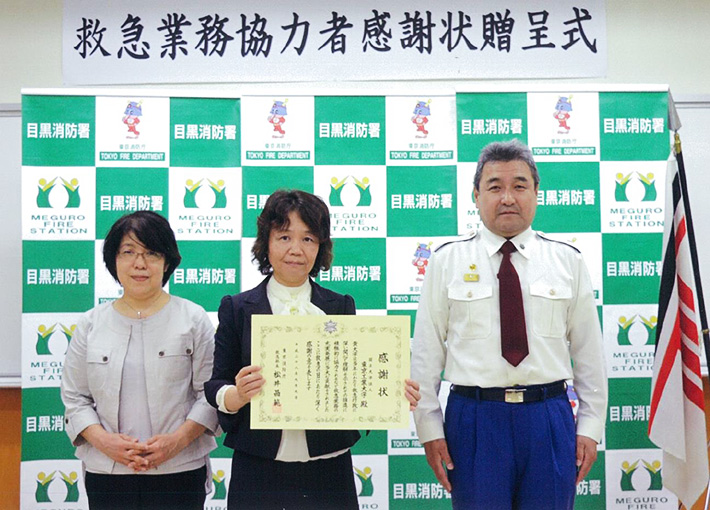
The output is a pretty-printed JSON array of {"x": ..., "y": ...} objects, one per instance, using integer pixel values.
[
  {"x": 693, "y": 249},
  {"x": 696, "y": 265}
]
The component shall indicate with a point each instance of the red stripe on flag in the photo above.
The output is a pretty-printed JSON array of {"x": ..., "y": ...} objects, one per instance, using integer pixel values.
[
  {"x": 665, "y": 368},
  {"x": 685, "y": 294},
  {"x": 693, "y": 393},
  {"x": 690, "y": 359},
  {"x": 680, "y": 234},
  {"x": 689, "y": 328}
]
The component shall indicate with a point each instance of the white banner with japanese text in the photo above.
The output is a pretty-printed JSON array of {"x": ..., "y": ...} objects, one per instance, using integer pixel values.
[{"x": 220, "y": 41}]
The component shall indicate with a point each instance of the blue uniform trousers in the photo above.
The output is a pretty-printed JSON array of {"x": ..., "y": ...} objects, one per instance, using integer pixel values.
[{"x": 511, "y": 456}]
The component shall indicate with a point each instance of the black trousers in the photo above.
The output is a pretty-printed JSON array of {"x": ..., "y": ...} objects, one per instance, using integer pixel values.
[
  {"x": 183, "y": 491},
  {"x": 258, "y": 483}
]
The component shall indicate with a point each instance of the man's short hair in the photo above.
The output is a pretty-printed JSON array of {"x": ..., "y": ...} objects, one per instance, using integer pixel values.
[{"x": 503, "y": 152}]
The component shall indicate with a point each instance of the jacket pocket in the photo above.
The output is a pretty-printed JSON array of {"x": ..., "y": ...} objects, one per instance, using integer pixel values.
[
  {"x": 550, "y": 301},
  {"x": 175, "y": 358},
  {"x": 470, "y": 310},
  {"x": 98, "y": 360}
]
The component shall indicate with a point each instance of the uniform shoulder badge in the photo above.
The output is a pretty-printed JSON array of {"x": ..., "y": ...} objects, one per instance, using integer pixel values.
[
  {"x": 467, "y": 237},
  {"x": 568, "y": 243}
]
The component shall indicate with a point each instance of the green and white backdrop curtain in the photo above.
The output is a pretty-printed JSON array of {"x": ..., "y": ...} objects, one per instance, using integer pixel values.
[{"x": 396, "y": 170}]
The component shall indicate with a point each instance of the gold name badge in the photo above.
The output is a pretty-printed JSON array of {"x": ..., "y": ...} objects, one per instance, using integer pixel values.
[{"x": 470, "y": 277}]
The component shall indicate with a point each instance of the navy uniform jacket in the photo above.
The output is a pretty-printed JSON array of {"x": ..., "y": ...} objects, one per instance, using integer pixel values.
[{"x": 233, "y": 352}]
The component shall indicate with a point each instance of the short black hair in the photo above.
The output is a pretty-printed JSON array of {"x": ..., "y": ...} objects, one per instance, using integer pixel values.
[
  {"x": 513, "y": 150},
  {"x": 152, "y": 230},
  {"x": 314, "y": 214}
]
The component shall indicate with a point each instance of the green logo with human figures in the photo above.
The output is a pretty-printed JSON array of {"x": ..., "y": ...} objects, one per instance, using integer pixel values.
[
  {"x": 45, "y": 188},
  {"x": 192, "y": 187},
  {"x": 653, "y": 469},
  {"x": 365, "y": 477},
  {"x": 625, "y": 325},
  {"x": 44, "y": 334},
  {"x": 648, "y": 181},
  {"x": 362, "y": 185},
  {"x": 220, "y": 485},
  {"x": 44, "y": 481}
]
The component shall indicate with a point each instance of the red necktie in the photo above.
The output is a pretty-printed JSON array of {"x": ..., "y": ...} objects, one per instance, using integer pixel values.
[{"x": 513, "y": 337}]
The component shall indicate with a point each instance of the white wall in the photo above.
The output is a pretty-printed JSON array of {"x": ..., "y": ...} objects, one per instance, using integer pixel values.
[{"x": 10, "y": 250}]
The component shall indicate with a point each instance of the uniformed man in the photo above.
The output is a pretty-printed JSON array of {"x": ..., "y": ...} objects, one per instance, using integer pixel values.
[{"x": 509, "y": 316}]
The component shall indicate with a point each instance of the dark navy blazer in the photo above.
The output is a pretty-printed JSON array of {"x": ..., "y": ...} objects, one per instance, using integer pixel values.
[{"x": 233, "y": 352}]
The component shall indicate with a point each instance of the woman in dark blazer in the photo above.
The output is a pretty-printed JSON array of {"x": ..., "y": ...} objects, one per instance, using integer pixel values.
[{"x": 273, "y": 468}]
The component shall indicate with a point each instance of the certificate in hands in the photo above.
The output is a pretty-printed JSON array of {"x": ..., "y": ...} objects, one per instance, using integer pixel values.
[{"x": 331, "y": 371}]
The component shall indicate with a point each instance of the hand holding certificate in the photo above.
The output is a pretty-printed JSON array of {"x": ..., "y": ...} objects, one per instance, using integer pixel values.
[{"x": 331, "y": 372}]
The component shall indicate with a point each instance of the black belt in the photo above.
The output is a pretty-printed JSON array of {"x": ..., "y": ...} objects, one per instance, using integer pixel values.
[{"x": 514, "y": 394}]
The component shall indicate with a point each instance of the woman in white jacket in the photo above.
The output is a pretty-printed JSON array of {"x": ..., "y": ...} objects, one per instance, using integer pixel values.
[{"x": 133, "y": 380}]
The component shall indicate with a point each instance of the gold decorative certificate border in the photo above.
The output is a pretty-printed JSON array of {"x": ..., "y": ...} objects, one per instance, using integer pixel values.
[{"x": 371, "y": 333}]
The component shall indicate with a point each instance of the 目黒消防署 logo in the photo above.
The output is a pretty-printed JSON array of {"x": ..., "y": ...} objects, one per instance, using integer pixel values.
[
  {"x": 220, "y": 485},
  {"x": 365, "y": 476},
  {"x": 44, "y": 334},
  {"x": 625, "y": 328},
  {"x": 44, "y": 482},
  {"x": 335, "y": 198},
  {"x": 45, "y": 188},
  {"x": 653, "y": 469},
  {"x": 647, "y": 180},
  {"x": 193, "y": 187}
]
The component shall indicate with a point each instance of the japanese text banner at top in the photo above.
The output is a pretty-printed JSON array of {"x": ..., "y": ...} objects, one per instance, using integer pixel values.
[{"x": 219, "y": 41}]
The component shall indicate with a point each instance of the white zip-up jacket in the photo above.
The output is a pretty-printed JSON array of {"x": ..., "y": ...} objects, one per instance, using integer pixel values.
[{"x": 178, "y": 352}]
